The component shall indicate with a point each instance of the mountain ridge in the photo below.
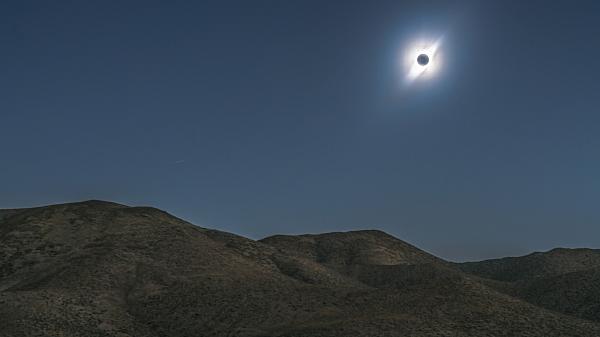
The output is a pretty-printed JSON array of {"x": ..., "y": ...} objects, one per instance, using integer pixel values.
[{"x": 98, "y": 268}]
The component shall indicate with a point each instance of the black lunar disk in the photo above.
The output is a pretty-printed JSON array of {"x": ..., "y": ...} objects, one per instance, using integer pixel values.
[{"x": 423, "y": 59}]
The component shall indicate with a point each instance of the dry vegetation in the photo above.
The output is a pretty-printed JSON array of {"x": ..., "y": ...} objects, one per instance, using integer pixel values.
[{"x": 103, "y": 269}]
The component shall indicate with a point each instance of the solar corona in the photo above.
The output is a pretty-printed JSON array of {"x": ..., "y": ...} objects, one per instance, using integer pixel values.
[{"x": 421, "y": 60}]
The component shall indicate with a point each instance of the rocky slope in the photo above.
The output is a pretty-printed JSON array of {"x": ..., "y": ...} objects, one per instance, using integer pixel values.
[{"x": 103, "y": 269}]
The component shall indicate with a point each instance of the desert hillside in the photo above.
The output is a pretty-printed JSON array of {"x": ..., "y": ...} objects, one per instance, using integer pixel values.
[{"x": 102, "y": 269}]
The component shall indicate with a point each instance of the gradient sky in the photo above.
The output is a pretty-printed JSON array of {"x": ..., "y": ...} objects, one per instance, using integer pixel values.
[{"x": 265, "y": 117}]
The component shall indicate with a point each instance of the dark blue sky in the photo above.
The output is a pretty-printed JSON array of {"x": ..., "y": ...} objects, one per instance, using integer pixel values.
[{"x": 264, "y": 117}]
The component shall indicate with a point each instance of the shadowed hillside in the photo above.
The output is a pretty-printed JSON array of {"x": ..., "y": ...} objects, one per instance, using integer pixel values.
[
  {"x": 103, "y": 269},
  {"x": 555, "y": 262},
  {"x": 563, "y": 280}
]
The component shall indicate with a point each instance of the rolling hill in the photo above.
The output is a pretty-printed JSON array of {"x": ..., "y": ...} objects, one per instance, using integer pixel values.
[
  {"x": 102, "y": 269},
  {"x": 562, "y": 280}
]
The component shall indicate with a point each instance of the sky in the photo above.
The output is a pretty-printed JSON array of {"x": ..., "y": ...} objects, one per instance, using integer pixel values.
[{"x": 287, "y": 117}]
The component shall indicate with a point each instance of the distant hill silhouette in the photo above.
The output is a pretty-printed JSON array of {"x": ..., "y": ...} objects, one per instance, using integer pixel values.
[
  {"x": 97, "y": 268},
  {"x": 564, "y": 280}
]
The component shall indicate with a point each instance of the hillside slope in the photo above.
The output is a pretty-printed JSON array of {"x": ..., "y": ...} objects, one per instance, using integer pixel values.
[
  {"x": 540, "y": 264},
  {"x": 103, "y": 269},
  {"x": 562, "y": 280}
]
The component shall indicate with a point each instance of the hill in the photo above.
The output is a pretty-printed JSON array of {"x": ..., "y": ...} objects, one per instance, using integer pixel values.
[
  {"x": 540, "y": 264},
  {"x": 102, "y": 269},
  {"x": 563, "y": 280}
]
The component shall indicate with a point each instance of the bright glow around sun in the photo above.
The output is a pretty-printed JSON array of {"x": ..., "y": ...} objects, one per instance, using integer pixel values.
[{"x": 420, "y": 60}]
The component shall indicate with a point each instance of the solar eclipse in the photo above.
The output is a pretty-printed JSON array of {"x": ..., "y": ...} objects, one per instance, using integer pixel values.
[{"x": 421, "y": 60}]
